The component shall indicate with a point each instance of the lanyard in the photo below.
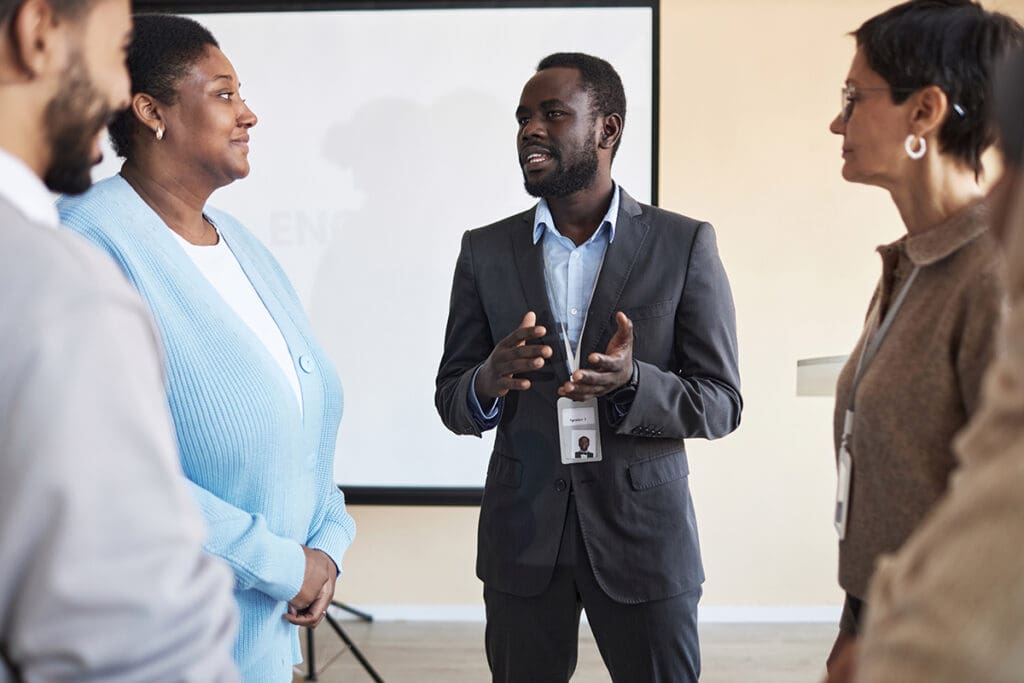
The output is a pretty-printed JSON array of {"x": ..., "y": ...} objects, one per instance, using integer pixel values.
[
  {"x": 871, "y": 345},
  {"x": 572, "y": 359}
]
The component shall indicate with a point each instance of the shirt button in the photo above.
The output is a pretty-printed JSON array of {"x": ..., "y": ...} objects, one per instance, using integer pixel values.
[
  {"x": 574, "y": 310},
  {"x": 575, "y": 254},
  {"x": 559, "y": 484},
  {"x": 306, "y": 363}
]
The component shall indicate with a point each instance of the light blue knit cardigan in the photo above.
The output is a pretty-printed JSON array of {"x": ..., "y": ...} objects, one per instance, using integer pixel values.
[{"x": 262, "y": 473}]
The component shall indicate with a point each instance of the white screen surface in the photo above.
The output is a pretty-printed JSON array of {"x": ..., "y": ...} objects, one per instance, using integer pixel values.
[{"x": 382, "y": 137}]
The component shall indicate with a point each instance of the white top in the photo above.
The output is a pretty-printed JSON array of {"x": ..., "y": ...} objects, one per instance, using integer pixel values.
[
  {"x": 25, "y": 191},
  {"x": 221, "y": 268}
]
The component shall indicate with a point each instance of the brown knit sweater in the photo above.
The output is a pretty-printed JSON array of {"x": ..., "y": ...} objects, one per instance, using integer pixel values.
[{"x": 921, "y": 388}]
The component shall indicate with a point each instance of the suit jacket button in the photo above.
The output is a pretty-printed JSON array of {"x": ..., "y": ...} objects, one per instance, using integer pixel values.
[{"x": 560, "y": 485}]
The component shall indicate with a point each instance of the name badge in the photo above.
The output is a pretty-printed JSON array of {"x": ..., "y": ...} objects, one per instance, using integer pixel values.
[
  {"x": 578, "y": 432},
  {"x": 844, "y": 478}
]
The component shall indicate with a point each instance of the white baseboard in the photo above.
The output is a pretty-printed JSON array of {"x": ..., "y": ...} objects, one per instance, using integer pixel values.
[{"x": 710, "y": 614}]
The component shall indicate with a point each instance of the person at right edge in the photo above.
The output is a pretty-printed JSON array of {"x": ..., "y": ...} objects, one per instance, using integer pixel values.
[
  {"x": 915, "y": 121},
  {"x": 640, "y": 295},
  {"x": 947, "y": 607}
]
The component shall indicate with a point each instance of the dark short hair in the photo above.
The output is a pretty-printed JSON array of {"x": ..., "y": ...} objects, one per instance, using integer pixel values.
[
  {"x": 64, "y": 8},
  {"x": 164, "y": 48},
  {"x": 1009, "y": 107},
  {"x": 600, "y": 80},
  {"x": 952, "y": 44}
]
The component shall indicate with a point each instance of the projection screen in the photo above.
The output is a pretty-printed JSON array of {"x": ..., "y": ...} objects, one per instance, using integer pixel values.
[{"x": 383, "y": 135}]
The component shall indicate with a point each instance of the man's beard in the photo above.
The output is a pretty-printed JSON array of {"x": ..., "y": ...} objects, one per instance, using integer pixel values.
[
  {"x": 576, "y": 174},
  {"x": 73, "y": 118}
]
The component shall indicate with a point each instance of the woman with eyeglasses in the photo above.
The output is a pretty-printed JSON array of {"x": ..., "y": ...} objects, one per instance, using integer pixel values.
[{"x": 915, "y": 121}]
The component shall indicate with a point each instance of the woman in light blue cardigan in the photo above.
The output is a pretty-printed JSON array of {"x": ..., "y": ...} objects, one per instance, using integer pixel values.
[{"x": 256, "y": 402}]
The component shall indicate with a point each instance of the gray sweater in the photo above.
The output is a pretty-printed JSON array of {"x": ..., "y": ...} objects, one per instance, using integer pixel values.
[{"x": 102, "y": 575}]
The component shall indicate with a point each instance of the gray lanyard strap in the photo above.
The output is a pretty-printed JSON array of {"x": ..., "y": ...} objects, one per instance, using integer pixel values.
[
  {"x": 572, "y": 359},
  {"x": 871, "y": 345}
]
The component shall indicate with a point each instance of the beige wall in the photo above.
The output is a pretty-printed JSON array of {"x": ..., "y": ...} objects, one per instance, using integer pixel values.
[{"x": 748, "y": 88}]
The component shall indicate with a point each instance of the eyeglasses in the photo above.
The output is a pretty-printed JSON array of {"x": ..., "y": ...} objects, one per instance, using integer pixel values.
[{"x": 851, "y": 94}]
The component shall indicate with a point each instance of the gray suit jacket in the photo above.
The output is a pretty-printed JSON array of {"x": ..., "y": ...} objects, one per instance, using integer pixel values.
[
  {"x": 634, "y": 506},
  {"x": 102, "y": 572}
]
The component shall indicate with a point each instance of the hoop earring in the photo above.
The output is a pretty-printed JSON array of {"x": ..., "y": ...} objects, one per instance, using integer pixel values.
[
  {"x": 160, "y": 133},
  {"x": 915, "y": 153}
]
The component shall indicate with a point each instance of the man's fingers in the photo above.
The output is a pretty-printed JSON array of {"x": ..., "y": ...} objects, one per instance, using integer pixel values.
[
  {"x": 623, "y": 337},
  {"x": 529, "y": 320},
  {"x": 508, "y": 384},
  {"x": 605, "y": 363},
  {"x": 521, "y": 335},
  {"x": 517, "y": 366},
  {"x": 579, "y": 392},
  {"x": 594, "y": 378}
]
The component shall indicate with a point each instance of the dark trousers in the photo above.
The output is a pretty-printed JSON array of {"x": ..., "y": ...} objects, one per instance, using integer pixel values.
[{"x": 534, "y": 640}]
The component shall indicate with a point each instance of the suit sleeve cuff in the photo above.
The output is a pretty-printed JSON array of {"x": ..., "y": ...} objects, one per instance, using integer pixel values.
[{"x": 487, "y": 420}]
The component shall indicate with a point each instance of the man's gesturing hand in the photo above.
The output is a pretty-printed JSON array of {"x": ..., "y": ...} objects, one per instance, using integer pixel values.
[
  {"x": 510, "y": 357},
  {"x": 610, "y": 370}
]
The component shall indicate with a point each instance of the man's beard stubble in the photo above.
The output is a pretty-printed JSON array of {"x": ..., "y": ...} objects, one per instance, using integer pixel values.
[
  {"x": 577, "y": 174},
  {"x": 72, "y": 119}
]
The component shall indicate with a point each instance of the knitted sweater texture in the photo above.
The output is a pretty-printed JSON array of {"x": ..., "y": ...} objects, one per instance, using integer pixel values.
[{"x": 261, "y": 471}]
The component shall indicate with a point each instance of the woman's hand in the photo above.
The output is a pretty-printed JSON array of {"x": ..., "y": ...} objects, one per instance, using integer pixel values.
[{"x": 309, "y": 606}]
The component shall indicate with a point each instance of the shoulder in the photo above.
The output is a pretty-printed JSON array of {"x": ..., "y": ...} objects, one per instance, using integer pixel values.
[
  {"x": 107, "y": 214},
  {"x": 980, "y": 268},
  {"x": 672, "y": 223},
  {"x": 111, "y": 200},
  {"x": 52, "y": 276},
  {"x": 668, "y": 232},
  {"x": 504, "y": 228}
]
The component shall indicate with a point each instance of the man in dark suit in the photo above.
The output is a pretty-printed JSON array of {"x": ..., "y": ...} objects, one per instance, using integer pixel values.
[{"x": 641, "y": 296}]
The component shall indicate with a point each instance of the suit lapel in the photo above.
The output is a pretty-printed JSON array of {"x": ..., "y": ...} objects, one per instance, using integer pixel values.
[
  {"x": 530, "y": 262},
  {"x": 619, "y": 261}
]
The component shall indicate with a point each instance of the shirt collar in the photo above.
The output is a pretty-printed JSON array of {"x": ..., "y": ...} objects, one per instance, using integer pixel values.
[
  {"x": 542, "y": 219},
  {"x": 23, "y": 189},
  {"x": 933, "y": 245}
]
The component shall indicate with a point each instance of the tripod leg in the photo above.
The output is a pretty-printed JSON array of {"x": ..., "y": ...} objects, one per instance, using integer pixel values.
[
  {"x": 310, "y": 656},
  {"x": 352, "y": 610},
  {"x": 355, "y": 650}
]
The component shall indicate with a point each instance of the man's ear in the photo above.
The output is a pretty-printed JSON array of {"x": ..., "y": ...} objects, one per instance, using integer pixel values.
[
  {"x": 611, "y": 130},
  {"x": 36, "y": 40}
]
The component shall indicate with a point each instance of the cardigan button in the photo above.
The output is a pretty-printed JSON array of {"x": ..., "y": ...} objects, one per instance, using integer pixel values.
[{"x": 306, "y": 363}]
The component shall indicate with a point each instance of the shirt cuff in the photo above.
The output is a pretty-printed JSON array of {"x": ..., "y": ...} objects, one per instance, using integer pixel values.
[
  {"x": 620, "y": 401},
  {"x": 487, "y": 420}
]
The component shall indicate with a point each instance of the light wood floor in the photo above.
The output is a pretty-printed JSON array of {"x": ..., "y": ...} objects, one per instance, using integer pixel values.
[{"x": 425, "y": 652}]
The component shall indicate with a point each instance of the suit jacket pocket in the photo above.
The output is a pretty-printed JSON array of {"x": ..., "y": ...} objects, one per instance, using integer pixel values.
[
  {"x": 506, "y": 471},
  {"x": 661, "y": 469},
  {"x": 648, "y": 311}
]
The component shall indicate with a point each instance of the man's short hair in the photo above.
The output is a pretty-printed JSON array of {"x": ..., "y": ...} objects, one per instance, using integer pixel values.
[
  {"x": 952, "y": 44},
  {"x": 164, "y": 48},
  {"x": 600, "y": 80}
]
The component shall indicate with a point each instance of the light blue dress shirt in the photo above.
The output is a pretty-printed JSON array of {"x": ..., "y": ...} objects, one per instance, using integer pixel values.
[{"x": 570, "y": 273}]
